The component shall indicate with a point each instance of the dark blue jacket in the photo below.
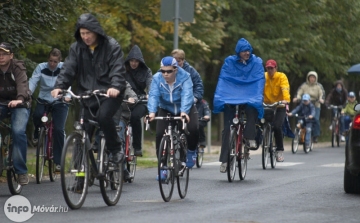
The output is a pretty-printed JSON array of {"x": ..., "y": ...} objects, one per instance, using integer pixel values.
[{"x": 196, "y": 79}]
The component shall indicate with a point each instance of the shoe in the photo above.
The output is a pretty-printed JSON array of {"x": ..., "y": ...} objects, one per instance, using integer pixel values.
[
  {"x": 315, "y": 139},
  {"x": 279, "y": 156},
  {"x": 251, "y": 144},
  {"x": 298, "y": 126},
  {"x": 163, "y": 175},
  {"x": 330, "y": 127},
  {"x": 23, "y": 179},
  {"x": 138, "y": 152},
  {"x": 35, "y": 142},
  {"x": 78, "y": 185},
  {"x": 116, "y": 157},
  {"x": 126, "y": 175},
  {"x": 191, "y": 158},
  {"x": 342, "y": 138},
  {"x": 57, "y": 168},
  {"x": 223, "y": 167}
]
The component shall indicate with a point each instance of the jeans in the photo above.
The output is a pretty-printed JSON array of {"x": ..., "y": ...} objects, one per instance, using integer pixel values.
[
  {"x": 19, "y": 119},
  {"x": 308, "y": 125},
  {"x": 316, "y": 123},
  {"x": 59, "y": 114},
  {"x": 345, "y": 121},
  {"x": 137, "y": 113},
  {"x": 249, "y": 131},
  {"x": 122, "y": 124}
]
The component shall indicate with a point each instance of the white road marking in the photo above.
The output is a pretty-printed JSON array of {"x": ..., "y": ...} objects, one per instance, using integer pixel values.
[{"x": 334, "y": 165}]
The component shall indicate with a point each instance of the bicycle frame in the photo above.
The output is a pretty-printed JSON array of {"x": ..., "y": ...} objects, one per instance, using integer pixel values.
[{"x": 239, "y": 125}]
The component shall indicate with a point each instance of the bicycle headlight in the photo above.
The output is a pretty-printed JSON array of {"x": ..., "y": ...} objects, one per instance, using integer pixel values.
[
  {"x": 235, "y": 121},
  {"x": 44, "y": 119},
  {"x": 262, "y": 120}
]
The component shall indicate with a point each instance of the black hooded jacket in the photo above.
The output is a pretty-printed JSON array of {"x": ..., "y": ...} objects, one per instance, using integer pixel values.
[
  {"x": 102, "y": 69},
  {"x": 141, "y": 77}
]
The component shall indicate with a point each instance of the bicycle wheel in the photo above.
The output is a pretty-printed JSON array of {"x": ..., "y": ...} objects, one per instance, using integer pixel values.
[
  {"x": 200, "y": 157},
  {"x": 40, "y": 155},
  {"x": 272, "y": 151},
  {"x": 265, "y": 146},
  {"x": 166, "y": 175},
  {"x": 12, "y": 180},
  {"x": 242, "y": 157},
  {"x": 131, "y": 160},
  {"x": 337, "y": 134},
  {"x": 333, "y": 134},
  {"x": 111, "y": 183},
  {"x": 182, "y": 177},
  {"x": 74, "y": 171},
  {"x": 307, "y": 149},
  {"x": 231, "y": 162},
  {"x": 295, "y": 141},
  {"x": 52, "y": 174}
]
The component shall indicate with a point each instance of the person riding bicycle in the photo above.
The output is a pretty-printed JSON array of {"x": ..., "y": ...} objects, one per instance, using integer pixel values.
[
  {"x": 317, "y": 94},
  {"x": 96, "y": 61},
  {"x": 14, "y": 88},
  {"x": 46, "y": 74},
  {"x": 306, "y": 109},
  {"x": 204, "y": 115},
  {"x": 348, "y": 112},
  {"x": 337, "y": 97},
  {"x": 277, "y": 89},
  {"x": 240, "y": 74},
  {"x": 171, "y": 92},
  {"x": 139, "y": 77}
]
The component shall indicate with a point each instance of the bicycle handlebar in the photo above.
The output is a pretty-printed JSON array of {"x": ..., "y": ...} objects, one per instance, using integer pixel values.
[
  {"x": 21, "y": 105},
  {"x": 86, "y": 94},
  {"x": 335, "y": 106},
  {"x": 274, "y": 104},
  {"x": 169, "y": 118}
]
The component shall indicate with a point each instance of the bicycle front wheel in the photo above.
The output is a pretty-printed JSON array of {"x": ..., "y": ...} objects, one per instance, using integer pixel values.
[
  {"x": 40, "y": 155},
  {"x": 182, "y": 177},
  {"x": 131, "y": 160},
  {"x": 74, "y": 171},
  {"x": 265, "y": 146},
  {"x": 333, "y": 133},
  {"x": 200, "y": 157},
  {"x": 12, "y": 180},
  {"x": 242, "y": 157},
  {"x": 231, "y": 163},
  {"x": 295, "y": 141},
  {"x": 166, "y": 175},
  {"x": 272, "y": 151}
]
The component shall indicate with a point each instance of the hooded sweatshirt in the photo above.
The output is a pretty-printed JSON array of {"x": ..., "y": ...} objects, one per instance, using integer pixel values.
[
  {"x": 337, "y": 97},
  {"x": 315, "y": 90}
]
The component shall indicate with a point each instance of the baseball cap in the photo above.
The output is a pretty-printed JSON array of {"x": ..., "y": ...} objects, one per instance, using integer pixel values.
[
  {"x": 168, "y": 61},
  {"x": 6, "y": 47},
  {"x": 271, "y": 63},
  {"x": 351, "y": 94},
  {"x": 306, "y": 97}
]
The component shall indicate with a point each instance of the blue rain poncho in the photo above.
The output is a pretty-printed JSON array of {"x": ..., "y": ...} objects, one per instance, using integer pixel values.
[{"x": 241, "y": 82}]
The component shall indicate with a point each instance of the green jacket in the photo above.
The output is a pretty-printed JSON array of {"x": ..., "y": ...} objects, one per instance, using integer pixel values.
[{"x": 349, "y": 108}]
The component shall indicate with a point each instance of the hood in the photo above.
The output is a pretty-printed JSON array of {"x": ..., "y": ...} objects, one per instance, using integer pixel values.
[
  {"x": 243, "y": 45},
  {"x": 311, "y": 73},
  {"x": 88, "y": 21},
  {"x": 135, "y": 53},
  {"x": 338, "y": 82}
]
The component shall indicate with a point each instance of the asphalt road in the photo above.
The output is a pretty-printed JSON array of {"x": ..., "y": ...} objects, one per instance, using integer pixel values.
[{"x": 304, "y": 188}]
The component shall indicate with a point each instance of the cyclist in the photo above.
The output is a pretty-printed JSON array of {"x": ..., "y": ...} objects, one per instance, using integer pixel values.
[
  {"x": 14, "y": 88},
  {"x": 240, "y": 74},
  {"x": 204, "y": 115},
  {"x": 306, "y": 109},
  {"x": 317, "y": 94},
  {"x": 348, "y": 112},
  {"x": 337, "y": 96},
  {"x": 46, "y": 74},
  {"x": 276, "y": 89},
  {"x": 139, "y": 76},
  {"x": 171, "y": 92},
  {"x": 95, "y": 60}
]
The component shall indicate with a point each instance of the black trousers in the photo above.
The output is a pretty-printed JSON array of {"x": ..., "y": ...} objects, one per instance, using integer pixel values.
[
  {"x": 277, "y": 126},
  {"x": 192, "y": 126},
  {"x": 137, "y": 112}
]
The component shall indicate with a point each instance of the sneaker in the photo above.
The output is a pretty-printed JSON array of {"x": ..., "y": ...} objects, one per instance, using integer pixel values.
[
  {"x": 57, "y": 168},
  {"x": 251, "y": 144},
  {"x": 163, "y": 175},
  {"x": 223, "y": 167},
  {"x": 330, "y": 127},
  {"x": 315, "y": 139},
  {"x": 191, "y": 158},
  {"x": 342, "y": 138},
  {"x": 78, "y": 185},
  {"x": 279, "y": 156},
  {"x": 138, "y": 152},
  {"x": 23, "y": 179}
]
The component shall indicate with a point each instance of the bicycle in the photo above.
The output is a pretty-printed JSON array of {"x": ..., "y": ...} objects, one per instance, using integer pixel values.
[
  {"x": 200, "y": 149},
  {"x": 44, "y": 150},
  {"x": 79, "y": 168},
  {"x": 268, "y": 145},
  {"x": 300, "y": 133},
  {"x": 238, "y": 152},
  {"x": 171, "y": 157},
  {"x": 6, "y": 145},
  {"x": 335, "y": 125},
  {"x": 130, "y": 158}
]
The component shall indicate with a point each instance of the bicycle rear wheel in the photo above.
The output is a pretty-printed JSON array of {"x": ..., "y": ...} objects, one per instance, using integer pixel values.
[
  {"x": 295, "y": 141},
  {"x": 265, "y": 146},
  {"x": 166, "y": 175},
  {"x": 112, "y": 181},
  {"x": 272, "y": 151},
  {"x": 200, "y": 157},
  {"x": 12, "y": 180},
  {"x": 74, "y": 171},
  {"x": 242, "y": 157},
  {"x": 231, "y": 162},
  {"x": 40, "y": 155}
]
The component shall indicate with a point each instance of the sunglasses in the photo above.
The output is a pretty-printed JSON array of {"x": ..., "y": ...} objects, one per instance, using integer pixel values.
[{"x": 167, "y": 71}]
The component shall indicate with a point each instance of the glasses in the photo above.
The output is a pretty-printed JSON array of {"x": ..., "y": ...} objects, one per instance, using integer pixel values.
[
  {"x": 4, "y": 54},
  {"x": 167, "y": 71}
]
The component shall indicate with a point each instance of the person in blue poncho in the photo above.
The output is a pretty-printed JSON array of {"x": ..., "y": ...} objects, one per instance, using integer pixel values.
[{"x": 241, "y": 81}]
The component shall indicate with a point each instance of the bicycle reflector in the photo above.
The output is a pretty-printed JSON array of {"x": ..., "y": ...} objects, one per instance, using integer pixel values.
[
  {"x": 44, "y": 119},
  {"x": 356, "y": 122},
  {"x": 235, "y": 121}
]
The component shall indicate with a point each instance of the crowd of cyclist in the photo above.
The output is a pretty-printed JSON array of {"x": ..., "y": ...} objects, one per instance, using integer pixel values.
[{"x": 96, "y": 61}]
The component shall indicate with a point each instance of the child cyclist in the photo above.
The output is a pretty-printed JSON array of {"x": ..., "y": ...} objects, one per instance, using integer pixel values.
[
  {"x": 348, "y": 112},
  {"x": 307, "y": 110}
]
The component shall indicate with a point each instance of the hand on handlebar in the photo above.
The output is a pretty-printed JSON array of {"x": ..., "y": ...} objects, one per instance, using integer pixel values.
[
  {"x": 149, "y": 117},
  {"x": 55, "y": 93},
  {"x": 186, "y": 116},
  {"x": 14, "y": 103},
  {"x": 112, "y": 92}
]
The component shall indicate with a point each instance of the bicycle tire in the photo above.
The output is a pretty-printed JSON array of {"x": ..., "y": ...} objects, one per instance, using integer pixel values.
[
  {"x": 337, "y": 134},
  {"x": 243, "y": 156},
  {"x": 74, "y": 171},
  {"x": 265, "y": 147},
  {"x": 333, "y": 133},
  {"x": 14, "y": 187},
  {"x": 199, "y": 157},
  {"x": 112, "y": 181},
  {"x": 272, "y": 151},
  {"x": 52, "y": 174},
  {"x": 40, "y": 155},
  {"x": 164, "y": 164},
  {"x": 295, "y": 141},
  {"x": 231, "y": 162},
  {"x": 307, "y": 149},
  {"x": 182, "y": 178},
  {"x": 131, "y": 160}
]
